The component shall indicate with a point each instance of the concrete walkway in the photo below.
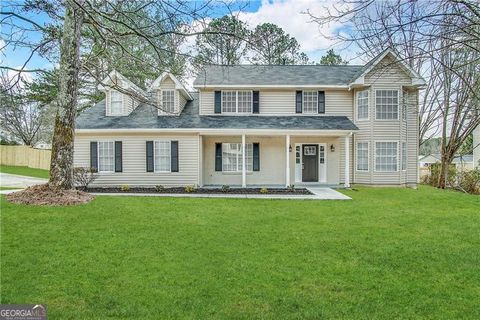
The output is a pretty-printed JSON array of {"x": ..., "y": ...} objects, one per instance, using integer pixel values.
[
  {"x": 318, "y": 194},
  {"x": 15, "y": 181}
]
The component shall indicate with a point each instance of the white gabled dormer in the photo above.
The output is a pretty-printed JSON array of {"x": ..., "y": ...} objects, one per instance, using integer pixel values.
[
  {"x": 122, "y": 96},
  {"x": 170, "y": 94}
]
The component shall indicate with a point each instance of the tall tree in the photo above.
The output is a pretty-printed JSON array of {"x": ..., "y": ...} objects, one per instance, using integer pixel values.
[
  {"x": 332, "y": 58},
  {"x": 222, "y": 42},
  {"x": 270, "y": 44}
]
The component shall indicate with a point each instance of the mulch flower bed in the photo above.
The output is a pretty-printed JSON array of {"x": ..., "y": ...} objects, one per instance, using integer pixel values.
[
  {"x": 43, "y": 194},
  {"x": 296, "y": 191}
]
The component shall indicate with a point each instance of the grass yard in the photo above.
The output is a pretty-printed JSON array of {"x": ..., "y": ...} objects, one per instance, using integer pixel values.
[
  {"x": 25, "y": 171},
  {"x": 389, "y": 253}
]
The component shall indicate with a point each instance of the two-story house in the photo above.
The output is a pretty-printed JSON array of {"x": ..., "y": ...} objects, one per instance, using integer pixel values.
[{"x": 251, "y": 125}]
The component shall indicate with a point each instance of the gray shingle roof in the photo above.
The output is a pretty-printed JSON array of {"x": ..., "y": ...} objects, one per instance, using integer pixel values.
[
  {"x": 293, "y": 75},
  {"x": 145, "y": 117}
]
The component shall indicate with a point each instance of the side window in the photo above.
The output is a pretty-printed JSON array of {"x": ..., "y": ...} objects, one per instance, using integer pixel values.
[
  {"x": 362, "y": 105},
  {"x": 362, "y": 156}
]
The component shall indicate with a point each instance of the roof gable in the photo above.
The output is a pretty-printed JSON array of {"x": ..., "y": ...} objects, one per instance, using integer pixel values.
[
  {"x": 178, "y": 85},
  {"x": 116, "y": 80}
]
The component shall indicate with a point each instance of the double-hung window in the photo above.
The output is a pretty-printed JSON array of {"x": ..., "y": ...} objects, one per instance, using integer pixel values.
[
  {"x": 116, "y": 103},
  {"x": 386, "y": 105},
  {"x": 404, "y": 156},
  {"x": 232, "y": 160},
  {"x": 106, "y": 156},
  {"x": 162, "y": 156},
  {"x": 168, "y": 101},
  {"x": 237, "y": 101},
  {"x": 386, "y": 153},
  {"x": 362, "y": 156},
  {"x": 310, "y": 101},
  {"x": 362, "y": 105}
]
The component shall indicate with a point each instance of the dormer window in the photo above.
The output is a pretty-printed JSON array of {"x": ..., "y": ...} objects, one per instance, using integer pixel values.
[
  {"x": 168, "y": 101},
  {"x": 116, "y": 103}
]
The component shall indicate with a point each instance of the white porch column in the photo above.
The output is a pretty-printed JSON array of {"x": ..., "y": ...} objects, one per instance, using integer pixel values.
[
  {"x": 347, "y": 161},
  {"x": 244, "y": 166},
  {"x": 287, "y": 156}
]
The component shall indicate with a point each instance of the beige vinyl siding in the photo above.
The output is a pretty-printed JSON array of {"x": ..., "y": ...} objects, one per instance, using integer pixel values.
[
  {"x": 282, "y": 102},
  {"x": 182, "y": 101},
  {"x": 134, "y": 160},
  {"x": 388, "y": 76}
]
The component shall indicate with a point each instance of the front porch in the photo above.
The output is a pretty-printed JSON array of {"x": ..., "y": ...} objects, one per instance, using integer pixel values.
[{"x": 298, "y": 158}]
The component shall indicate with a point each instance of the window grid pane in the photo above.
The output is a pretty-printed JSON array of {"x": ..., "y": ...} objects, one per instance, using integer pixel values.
[
  {"x": 106, "y": 156},
  {"x": 116, "y": 102},
  {"x": 244, "y": 101},
  {"x": 386, "y": 156},
  {"x": 310, "y": 101},
  {"x": 362, "y": 156},
  {"x": 232, "y": 157},
  {"x": 362, "y": 104},
  {"x": 168, "y": 101},
  {"x": 229, "y": 101},
  {"x": 386, "y": 102},
  {"x": 162, "y": 156}
]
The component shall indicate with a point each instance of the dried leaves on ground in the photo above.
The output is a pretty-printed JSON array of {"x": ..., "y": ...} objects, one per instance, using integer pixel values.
[{"x": 45, "y": 195}]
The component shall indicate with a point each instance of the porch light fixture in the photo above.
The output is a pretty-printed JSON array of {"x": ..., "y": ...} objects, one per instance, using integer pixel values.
[
  {"x": 290, "y": 148},
  {"x": 332, "y": 148}
]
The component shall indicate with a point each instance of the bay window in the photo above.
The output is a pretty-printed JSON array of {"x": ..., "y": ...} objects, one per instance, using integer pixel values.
[
  {"x": 386, "y": 156},
  {"x": 362, "y": 156},
  {"x": 362, "y": 105},
  {"x": 386, "y": 105}
]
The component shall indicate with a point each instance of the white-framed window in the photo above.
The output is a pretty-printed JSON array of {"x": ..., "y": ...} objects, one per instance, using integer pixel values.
[
  {"x": 404, "y": 104},
  {"x": 362, "y": 105},
  {"x": 237, "y": 101},
  {"x": 162, "y": 154},
  {"x": 386, "y": 105},
  {"x": 168, "y": 101},
  {"x": 116, "y": 103},
  {"x": 386, "y": 156},
  {"x": 232, "y": 157},
  {"x": 404, "y": 156},
  {"x": 362, "y": 156},
  {"x": 106, "y": 156},
  {"x": 310, "y": 101}
]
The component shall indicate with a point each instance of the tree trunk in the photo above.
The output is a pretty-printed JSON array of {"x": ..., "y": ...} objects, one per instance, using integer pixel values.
[
  {"x": 447, "y": 158},
  {"x": 61, "y": 167}
]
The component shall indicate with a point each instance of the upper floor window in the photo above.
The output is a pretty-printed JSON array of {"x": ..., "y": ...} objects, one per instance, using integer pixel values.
[
  {"x": 237, "y": 101},
  {"x": 116, "y": 103},
  {"x": 310, "y": 101},
  {"x": 168, "y": 101},
  {"x": 106, "y": 156},
  {"x": 362, "y": 105},
  {"x": 232, "y": 159},
  {"x": 386, "y": 156},
  {"x": 404, "y": 104},
  {"x": 386, "y": 104}
]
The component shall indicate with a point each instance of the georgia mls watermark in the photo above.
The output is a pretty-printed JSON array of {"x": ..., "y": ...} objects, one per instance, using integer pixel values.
[{"x": 23, "y": 312}]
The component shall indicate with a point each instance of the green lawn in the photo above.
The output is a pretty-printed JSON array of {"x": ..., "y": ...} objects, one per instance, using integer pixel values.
[
  {"x": 25, "y": 171},
  {"x": 390, "y": 253}
]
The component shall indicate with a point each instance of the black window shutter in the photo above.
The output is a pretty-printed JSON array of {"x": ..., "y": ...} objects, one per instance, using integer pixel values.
[
  {"x": 256, "y": 101},
  {"x": 218, "y": 101},
  {"x": 298, "y": 102},
  {"x": 174, "y": 156},
  {"x": 321, "y": 101},
  {"x": 149, "y": 156},
  {"x": 93, "y": 156},
  {"x": 256, "y": 156},
  {"x": 218, "y": 157},
  {"x": 118, "y": 156}
]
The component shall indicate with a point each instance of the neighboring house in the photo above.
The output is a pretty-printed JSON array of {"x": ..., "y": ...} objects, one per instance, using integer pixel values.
[
  {"x": 476, "y": 147},
  {"x": 43, "y": 145},
  {"x": 461, "y": 163},
  {"x": 290, "y": 125}
]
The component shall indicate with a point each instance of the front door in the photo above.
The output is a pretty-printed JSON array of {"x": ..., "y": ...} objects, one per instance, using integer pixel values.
[{"x": 310, "y": 163}]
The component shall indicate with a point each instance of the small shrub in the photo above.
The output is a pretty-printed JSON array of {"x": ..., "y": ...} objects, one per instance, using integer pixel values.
[
  {"x": 125, "y": 187},
  {"x": 82, "y": 177},
  {"x": 434, "y": 172},
  {"x": 264, "y": 191},
  {"x": 469, "y": 181},
  {"x": 159, "y": 188},
  {"x": 291, "y": 188},
  {"x": 225, "y": 188},
  {"x": 189, "y": 189}
]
